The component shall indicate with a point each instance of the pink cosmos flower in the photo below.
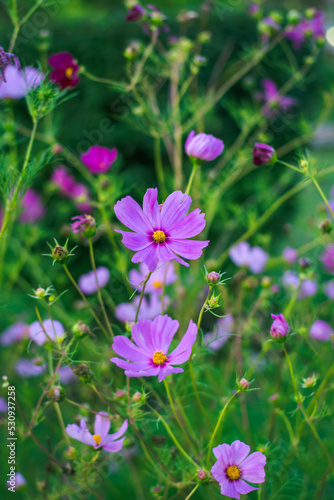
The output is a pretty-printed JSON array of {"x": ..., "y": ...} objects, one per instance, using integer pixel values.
[
  {"x": 321, "y": 330},
  {"x": 147, "y": 355},
  {"x": 273, "y": 100},
  {"x": 87, "y": 282},
  {"x": 18, "y": 83},
  {"x": 66, "y": 70},
  {"x": 32, "y": 208},
  {"x": 328, "y": 259},
  {"x": 136, "y": 13},
  {"x": 99, "y": 159},
  {"x": 100, "y": 438},
  {"x": 263, "y": 154},
  {"x": 53, "y": 328},
  {"x": 222, "y": 331},
  {"x": 6, "y": 60},
  {"x": 14, "y": 333},
  {"x": 280, "y": 327},
  {"x": 84, "y": 224},
  {"x": 290, "y": 255},
  {"x": 149, "y": 309},
  {"x": 306, "y": 29},
  {"x": 203, "y": 146},
  {"x": 161, "y": 235},
  {"x": 71, "y": 189},
  {"x": 308, "y": 288},
  {"x": 243, "y": 255},
  {"x": 165, "y": 273},
  {"x": 3, "y": 405},
  {"x": 26, "y": 368},
  {"x": 234, "y": 467},
  {"x": 329, "y": 289}
]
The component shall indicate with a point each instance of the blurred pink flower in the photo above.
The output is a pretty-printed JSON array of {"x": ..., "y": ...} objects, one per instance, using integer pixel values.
[
  {"x": 203, "y": 146},
  {"x": 273, "y": 100},
  {"x": 165, "y": 272},
  {"x": 320, "y": 330},
  {"x": 19, "y": 82},
  {"x": 99, "y": 159},
  {"x": 69, "y": 188},
  {"x": 243, "y": 255},
  {"x": 328, "y": 259},
  {"x": 66, "y": 70},
  {"x": 53, "y": 328},
  {"x": 32, "y": 208},
  {"x": 14, "y": 333},
  {"x": 290, "y": 255},
  {"x": 149, "y": 309},
  {"x": 222, "y": 331},
  {"x": 87, "y": 282},
  {"x": 307, "y": 29}
]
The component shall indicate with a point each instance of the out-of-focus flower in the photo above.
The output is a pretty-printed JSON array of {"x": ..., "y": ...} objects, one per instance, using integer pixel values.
[
  {"x": 222, "y": 331},
  {"x": 307, "y": 29},
  {"x": 203, "y": 146},
  {"x": 26, "y": 368},
  {"x": 149, "y": 309},
  {"x": 321, "y": 330},
  {"x": 244, "y": 384},
  {"x": 135, "y": 13},
  {"x": 18, "y": 482},
  {"x": 99, "y": 159},
  {"x": 279, "y": 328},
  {"x": 290, "y": 255},
  {"x": 329, "y": 289},
  {"x": 3, "y": 405},
  {"x": 263, "y": 154},
  {"x": 53, "y": 328},
  {"x": 243, "y": 255},
  {"x": 147, "y": 355},
  {"x": 304, "y": 262},
  {"x": 253, "y": 9},
  {"x": 328, "y": 259},
  {"x": 161, "y": 235},
  {"x": 66, "y": 70},
  {"x": 66, "y": 375},
  {"x": 309, "y": 382},
  {"x": 165, "y": 273},
  {"x": 273, "y": 100},
  {"x": 71, "y": 189},
  {"x": 14, "y": 333},
  {"x": 235, "y": 466},
  {"x": 290, "y": 279},
  {"x": 84, "y": 224},
  {"x": 87, "y": 282},
  {"x": 6, "y": 60},
  {"x": 100, "y": 438},
  {"x": 308, "y": 288},
  {"x": 32, "y": 208},
  {"x": 18, "y": 83}
]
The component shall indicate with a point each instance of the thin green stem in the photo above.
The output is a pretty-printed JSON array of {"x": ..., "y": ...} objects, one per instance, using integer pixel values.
[
  {"x": 142, "y": 295},
  {"x": 323, "y": 196},
  {"x": 191, "y": 178},
  {"x": 192, "y": 491},
  {"x": 101, "y": 80},
  {"x": 142, "y": 63},
  {"x": 62, "y": 425}
]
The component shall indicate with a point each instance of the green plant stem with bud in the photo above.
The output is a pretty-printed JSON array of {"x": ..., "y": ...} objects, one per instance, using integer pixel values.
[
  {"x": 191, "y": 178},
  {"x": 192, "y": 492}
]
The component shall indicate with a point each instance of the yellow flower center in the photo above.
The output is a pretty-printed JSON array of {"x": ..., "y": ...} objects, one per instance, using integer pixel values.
[
  {"x": 69, "y": 72},
  {"x": 159, "y": 236},
  {"x": 159, "y": 358},
  {"x": 233, "y": 472},
  {"x": 157, "y": 284},
  {"x": 97, "y": 438}
]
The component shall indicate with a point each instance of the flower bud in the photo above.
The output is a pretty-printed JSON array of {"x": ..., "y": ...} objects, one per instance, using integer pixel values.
[
  {"x": 136, "y": 397},
  {"x": 60, "y": 254},
  {"x": 83, "y": 373},
  {"x": 266, "y": 282},
  {"x": 57, "y": 149},
  {"x": 120, "y": 393},
  {"x": 70, "y": 453},
  {"x": 213, "y": 278},
  {"x": 244, "y": 384},
  {"x": 202, "y": 475},
  {"x": 40, "y": 293},
  {"x": 263, "y": 154},
  {"x": 304, "y": 262},
  {"x": 279, "y": 328},
  {"x": 80, "y": 329},
  {"x": 56, "y": 393},
  {"x": 309, "y": 382},
  {"x": 325, "y": 226}
]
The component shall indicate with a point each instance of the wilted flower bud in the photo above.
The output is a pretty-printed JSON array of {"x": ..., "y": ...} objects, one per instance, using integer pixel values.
[
  {"x": 80, "y": 329},
  {"x": 304, "y": 262},
  {"x": 60, "y": 254},
  {"x": 83, "y": 373},
  {"x": 279, "y": 328},
  {"x": 263, "y": 154},
  {"x": 326, "y": 226},
  {"x": 244, "y": 384},
  {"x": 213, "y": 278},
  {"x": 133, "y": 50},
  {"x": 70, "y": 453},
  {"x": 68, "y": 469},
  {"x": 85, "y": 224},
  {"x": 56, "y": 393},
  {"x": 136, "y": 397}
]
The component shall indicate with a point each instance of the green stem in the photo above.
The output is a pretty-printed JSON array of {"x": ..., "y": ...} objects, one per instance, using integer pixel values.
[
  {"x": 192, "y": 491},
  {"x": 142, "y": 295},
  {"x": 323, "y": 196},
  {"x": 62, "y": 425},
  {"x": 142, "y": 63},
  {"x": 100, "y": 80},
  {"x": 191, "y": 178}
]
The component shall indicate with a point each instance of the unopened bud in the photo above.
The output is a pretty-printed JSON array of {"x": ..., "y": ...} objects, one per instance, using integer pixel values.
[
  {"x": 120, "y": 393},
  {"x": 202, "y": 475},
  {"x": 136, "y": 397},
  {"x": 60, "y": 254},
  {"x": 80, "y": 329},
  {"x": 56, "y": 393},
  {"x": 326, "y": 226},
  {"x": 244, "y": 384},
  {"x": 304, "y": 262},
  {"x": 40, "y": 293},
  {"x": 213, "y": 278},
  {"x": 83, "y": 373}
]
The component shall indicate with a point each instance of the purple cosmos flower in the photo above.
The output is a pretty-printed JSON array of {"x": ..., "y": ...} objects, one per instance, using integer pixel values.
[
  {"x": 147, "y": 355},
  {"x": 99, "y": 159},
  {"x": 3, "y": 405},
  {"x": 273, "y": 99},
  {"x": 18, "y": 83},
  {"x": 328, "y": 259},
  {"x": 71, "y": 189},
  {"x": 66, "y": 375},
  {"x": 223, "y": 330},
  {"x": 203, "y": 146},
  {"x": 308, "y": 288},
  {"x": 17, "y": 482},
  {"x": 165, "y": 273},
  {"x": 290, "y": 279},
  {"x": 149, "y": 309},
  {"x": 329, "y": 289},
  {"x": 161, "y": 235},
  {"x": 84, "y": 224},
  {"x": 26, "y": 368},
  {"x": 53, "y": 328},
  {"x": 87, "y": 282},
  {"x": 136, "y": 13},
  {"x": 263, "y": 154},
  {"x": 14, "y": 333},
  {"x": 100, "y": 438},
  {"x": 320, "y": 330},
  {"x": 307, "y": 29},
  {"x": 290, "y": 255},
  {"x": 32, "y": 208},
  {"x": 243, "y": 255},
  {"x": 279, "y": 328},
  {"x": 7, "y": 59},
  {"x": 234, "y": 467},
  {"x": 66, "y": 70}
]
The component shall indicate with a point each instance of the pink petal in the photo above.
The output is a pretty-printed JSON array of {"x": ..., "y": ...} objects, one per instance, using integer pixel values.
[
  {"x": 135, "y": 241},
  {"x": 252, "y": 468},
  {"x": 114, "y": 446},
  {"x": 102, "y": 424},
  {"x": 149, "y": 255},
  {"x": 151, "y": 207},
  {"x": 122, "y": 430},
  {"x": 150, "y": 372},
  {"x": 80, "y": 434},
  {"x": 131, "y": 215},
  {"x": 243, "y": 487},
  {"x": 129, "y": 365},
  {"x": 239, "y": 451},
  {"x": 229, "y": 489},
  {"x": 182, "y": 352},
  {"x": 174, "y": 209},
  {"x": 168, "y": 370},
  {"x": 191, "y": 225},
  {"x": 189, "y": 249},
  {"x": 163, "y": 330},
  {"x": 223, "y": 452},
  {"x": 128, "y": 350}
]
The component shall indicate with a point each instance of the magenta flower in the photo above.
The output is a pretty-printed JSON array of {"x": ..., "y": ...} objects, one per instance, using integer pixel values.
[
  {"x": 307, "y": 29},
  {"x": 14, "y": 333},
  {"x": 66, "y": 70},
  {"x": 243, "y": 255},
  {"x": 87, "y": 282},
  {"x": 18, "y": 83},
  {"x": 149, "y": 309},
  {"x": 165, "y": 273},
  {"x": 203, "y": 146},
  {"x": 147, "y": 355},
  {"x": 329, "y": 289},
  {"x": 222, "y": 331},
  {"x": 320, "y": 330},
  {"x": 6, "y": 60},
  {"x": 279, "y": 328},
  {"x": 32, "y": 208},
  {"x": 54, "y": 330},
  {"x": 263, "y": 154},
  {"x": 234, "y": 467},
  {"x": 71, "y": 189},
  {"x": 328, "y": 259},
  {"x": 290, "y": 255},
  {"x": 273, "y": 100},
  {"x": 100, "y": 438},
  {"x": 161, "y": 235},
  {"x": 99, "y": 159},
  {"x": 136, "y": 13},
  {"x": 84, "y": 224}
]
